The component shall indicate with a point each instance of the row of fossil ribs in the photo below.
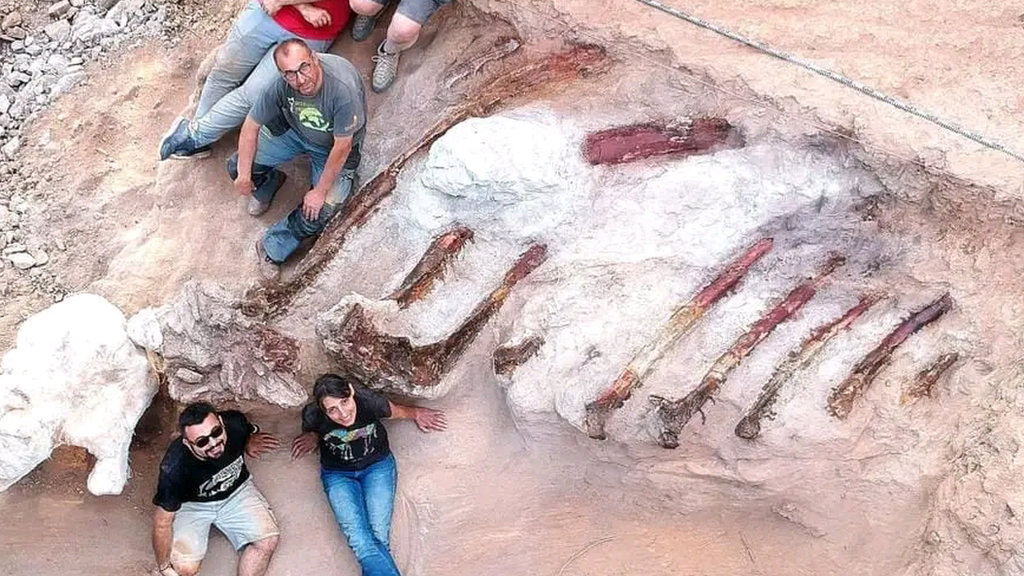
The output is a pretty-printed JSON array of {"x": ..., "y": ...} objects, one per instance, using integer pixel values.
[{"x": 673, "y": 414}]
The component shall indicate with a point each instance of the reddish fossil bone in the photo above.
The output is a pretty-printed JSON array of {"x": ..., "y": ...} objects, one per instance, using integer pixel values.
[
  {"x": 532, "y": 79},
  {"x": 393, "y": 364},
  {"x": 674, "y": 414},
  {"x": 643, "y": 362},
  {"x": 631, "y": 143},
  {"x": 432, "y": 266},
  {"x": 928, "y": 378},
  {"x": 750, "y": 426},
  {"x": 840, "y": 403},
  {"x": 508, "y": 358}
]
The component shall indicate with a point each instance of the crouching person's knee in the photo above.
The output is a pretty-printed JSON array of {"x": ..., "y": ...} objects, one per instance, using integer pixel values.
[
  {"x": 186, "y": 568},
  {"x": 266, "y": 545}
]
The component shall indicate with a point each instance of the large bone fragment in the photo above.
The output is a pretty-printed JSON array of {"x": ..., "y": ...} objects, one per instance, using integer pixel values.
[
  {"x": 432, "y": 266},
  {"x": 928, "y": 378},
  {"x": 643, "y": 362},
  {"x": 507, "y": 358},
  {"x": 532, "y": 79},
  {"x": 470, "y": 64},
  {"x": 392, "y": 363},
  {"x": 750, "y": 426},
  {"x": 674, "y": 414},
  {"x": 840, "y": 403},
  {"x": 630, "y": 143}
]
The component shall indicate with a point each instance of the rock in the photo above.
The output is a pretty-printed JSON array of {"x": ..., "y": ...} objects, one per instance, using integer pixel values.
[
  {"x": 17, "y": 46},
  {"x": 21, "y": 260},
  {"x": 57, "y": 62},
  {"x": 76, "y": 3},
  {"x": 11, "y": 148},
  {"x": 10, "y": 21},
  {"x": 123, "y": 10},
  {"x": 189, "y": 376},
  {"x": 33, "y": 49},
  {"x": 204, "y": 332},
  {"x": 58, "y": 31},
  {"x": 67, "y": 82},
  {"x": 14, "y": 248},
  {"x": 75, "y": 376},
  {"x": 59, "y": 9},
  {"x": 40, "y": 256},
  {"x": 18, "y": 33},
  {"x": 5, "y": 104}
]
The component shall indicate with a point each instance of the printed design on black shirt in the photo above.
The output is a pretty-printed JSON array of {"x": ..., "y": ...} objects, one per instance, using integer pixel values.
[
  {"x": 340, "y": 441},
  {"x": 309, "y": 115},
  {"x": 222, "y": 481}
]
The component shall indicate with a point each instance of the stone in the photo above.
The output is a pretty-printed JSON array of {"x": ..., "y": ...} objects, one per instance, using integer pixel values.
[
  {"x": 204, "y": 332},
  {"x": 18, "y": 33},
  {"x": 11, "y": 148},
  {"x": 5, "y": 103},
  {"x": 74, "y": 377},
  {"x": 57, "y": 62},
  {"x": 40, "y": 256},
  {"x": 21, "y": 260},
  {"x": 17, "y": 45},
  {"x": 10, "y": 21},
  {"x": 77, "y": 3},
  {"x": 15, "y": 79},
  {"x": 59, "y": 9},
  {"x": 58, "y": 31},
  {"x": 14, "y": 248}
]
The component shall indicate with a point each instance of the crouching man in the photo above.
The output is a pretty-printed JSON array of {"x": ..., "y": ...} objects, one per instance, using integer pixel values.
[{"x": 204, "y": 481}]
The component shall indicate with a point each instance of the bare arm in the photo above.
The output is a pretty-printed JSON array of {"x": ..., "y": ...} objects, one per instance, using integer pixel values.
[
  {"x": 162, "y": 537},
  {"x": 313, "y": 201},
  {"x": 247, "y": 138},
  {"x": 427, "y": 419},
  {"x": 272, "y": 6}
]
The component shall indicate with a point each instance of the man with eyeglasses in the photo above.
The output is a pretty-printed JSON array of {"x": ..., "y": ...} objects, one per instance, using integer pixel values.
[
  {"x": 204, "y": 481},
  {"x": 317, "y": 108}
]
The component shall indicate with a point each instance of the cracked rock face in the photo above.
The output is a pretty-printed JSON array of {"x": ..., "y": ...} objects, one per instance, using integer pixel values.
[
  {"x": 210, "y": 351},
  {"x": 73, "y": 378}
]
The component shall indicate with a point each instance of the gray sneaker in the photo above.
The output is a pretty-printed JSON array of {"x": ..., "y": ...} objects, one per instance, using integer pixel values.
[
  {"x": 269, "y": 269},
  {"x": 255, "y": 207},
  {"x": 363, "y": 26},
  {"x": 385, "y": 69}
]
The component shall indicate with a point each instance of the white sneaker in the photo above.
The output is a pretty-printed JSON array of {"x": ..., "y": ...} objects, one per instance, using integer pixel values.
[
  {"x": 385, "y": 69},
  {"x": 269, "y": 269}
]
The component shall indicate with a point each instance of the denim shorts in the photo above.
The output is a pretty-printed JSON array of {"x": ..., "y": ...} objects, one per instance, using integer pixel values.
[
  {"x": 244, "y": 517},
  {"x": 419, "y": 11}
]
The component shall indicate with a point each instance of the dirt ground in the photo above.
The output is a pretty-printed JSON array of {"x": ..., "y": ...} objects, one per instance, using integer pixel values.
[{"x": 481, "y": 497}]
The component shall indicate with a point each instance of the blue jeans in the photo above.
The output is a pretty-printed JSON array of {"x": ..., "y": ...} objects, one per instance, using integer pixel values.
[
  {"x": 243, "y": 70},
  {"x": 362, "y": 502},
  {"x": 285, "y": 235}
]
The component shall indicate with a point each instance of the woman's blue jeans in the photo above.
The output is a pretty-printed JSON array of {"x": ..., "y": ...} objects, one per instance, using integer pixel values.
[{"x": 362, "y": 502}]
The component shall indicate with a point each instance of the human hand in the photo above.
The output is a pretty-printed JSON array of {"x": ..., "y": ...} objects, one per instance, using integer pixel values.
[
  {"x": 272, "y": 6},
  {"x": 244, "y": 185},
  {"x": 429, "y": 420},
  {"x": 312, "y": 202},
  {"x": 318, "y": 17},
  {"x": 303, "y": 444},
  {"x": 259, "y": 443}
]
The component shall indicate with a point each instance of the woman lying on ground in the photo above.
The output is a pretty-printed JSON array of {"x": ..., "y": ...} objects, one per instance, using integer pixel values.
[{"x": 356, "y": 464}]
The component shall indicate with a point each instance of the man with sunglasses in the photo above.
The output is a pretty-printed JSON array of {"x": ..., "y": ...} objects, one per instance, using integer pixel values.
[
  {"x": 204, "y": 481},
  {"x": 316, "y": 108}
]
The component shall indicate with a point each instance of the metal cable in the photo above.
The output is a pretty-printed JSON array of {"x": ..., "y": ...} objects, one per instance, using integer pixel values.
[{"x": 849, "y": 82}]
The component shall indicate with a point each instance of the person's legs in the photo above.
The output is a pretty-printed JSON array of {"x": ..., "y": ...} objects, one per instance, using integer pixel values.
[
  {"x": 345, "y": 495},
  {"x": 366, "y": 17},
  {"x": 249, "y": 524},
  {"x": 230, "y": 110},
  {"x": 379, "y": 497},
  {"x": 271, "y": 152},
  {"x": 191, "y": 535},
  {"x": 403, "y": 32},
  {"x": 285, "y": 235}
]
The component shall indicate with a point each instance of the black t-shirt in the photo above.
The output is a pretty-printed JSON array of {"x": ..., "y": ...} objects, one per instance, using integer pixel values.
[
  {"x": 353, "y": 447},
  {"x": 185, "y": 478}
]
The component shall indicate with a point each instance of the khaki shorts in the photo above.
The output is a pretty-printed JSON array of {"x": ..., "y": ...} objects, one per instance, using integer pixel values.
[{"x": 244, "y": 517}]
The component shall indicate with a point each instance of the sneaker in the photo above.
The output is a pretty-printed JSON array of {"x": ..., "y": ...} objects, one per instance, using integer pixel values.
[
  {"x": 384, "y": 70},
  {"x": 177, "y": 143},
  {"x": 257, "y": 207},
  {"x": 363, "y": 26},
  {"x": 269, "y": 269}
]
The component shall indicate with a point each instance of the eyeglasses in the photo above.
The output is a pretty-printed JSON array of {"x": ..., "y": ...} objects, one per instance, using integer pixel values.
[
  {"x": 292, "y": 75},
  {"x": 202, "y": 441}
]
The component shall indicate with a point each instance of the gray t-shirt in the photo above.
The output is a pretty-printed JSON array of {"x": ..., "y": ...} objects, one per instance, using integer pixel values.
[{"x": 338, "y": 109}]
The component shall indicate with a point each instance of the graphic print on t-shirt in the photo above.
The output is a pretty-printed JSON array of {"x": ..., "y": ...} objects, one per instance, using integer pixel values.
[
  {"x": 340, "y": 441},
  {"x": 222, "y": 481},
  {"x": 309, "y": 115}
]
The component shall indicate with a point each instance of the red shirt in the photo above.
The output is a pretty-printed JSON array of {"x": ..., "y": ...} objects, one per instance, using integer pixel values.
[{"x": 290, "y": 19}]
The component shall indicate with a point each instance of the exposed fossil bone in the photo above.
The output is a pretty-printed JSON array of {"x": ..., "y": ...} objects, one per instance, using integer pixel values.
[
  {"x": 432, "y": 265},
  {"x": 631, "y": 143},
  {"x": 678, "y": 324},
  {"x": 472, "y": 64},
  {"x": 508, "y": 358},
  {"x": 928, "y": 378},
  {"x": 674, "y": 414},
  {"x": 750, "y": 426},
  {"x": 392, "y": 363},
  {"x": 841, "y": 401},
  {"x": 530, "y": 80}
]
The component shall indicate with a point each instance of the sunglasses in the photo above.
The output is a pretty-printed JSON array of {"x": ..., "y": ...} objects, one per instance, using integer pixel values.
[{"x": 202, "y": 441}]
